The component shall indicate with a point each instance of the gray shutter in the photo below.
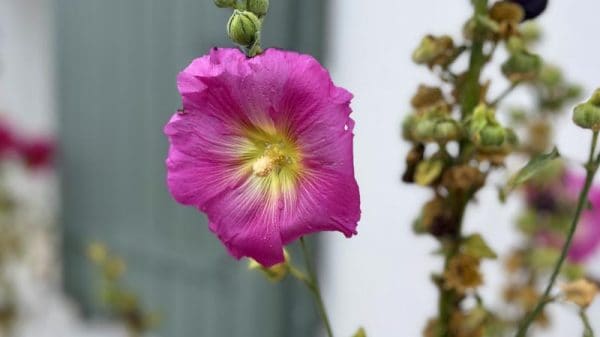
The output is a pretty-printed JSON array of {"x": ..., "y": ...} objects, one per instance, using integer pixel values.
[{"x": 116, "y": 78}]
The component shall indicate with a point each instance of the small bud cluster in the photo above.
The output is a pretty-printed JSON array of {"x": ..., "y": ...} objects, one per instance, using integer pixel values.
[{"x": 245, "y": 24}]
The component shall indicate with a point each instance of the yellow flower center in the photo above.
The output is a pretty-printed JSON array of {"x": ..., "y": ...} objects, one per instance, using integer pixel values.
[
  {"x": 273, "y": 160},
  {"x": 272, "y": 157}
]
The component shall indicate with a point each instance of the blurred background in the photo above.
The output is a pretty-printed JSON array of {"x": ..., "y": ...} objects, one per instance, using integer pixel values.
[{"x": 99, "y": 75}]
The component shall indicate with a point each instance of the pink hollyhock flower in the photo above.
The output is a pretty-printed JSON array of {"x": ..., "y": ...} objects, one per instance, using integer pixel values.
[
  {"x": 587, "y": 237},
  {"x": 263, "y": 146},
  {"x": 37, "y": 153}
]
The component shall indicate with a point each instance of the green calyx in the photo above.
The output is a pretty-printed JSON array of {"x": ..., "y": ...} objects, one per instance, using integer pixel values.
[{"x": 485, "y": 131}]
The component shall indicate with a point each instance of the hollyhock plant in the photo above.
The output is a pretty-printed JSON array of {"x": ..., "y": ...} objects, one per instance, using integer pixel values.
[{"x": 263, "y": 146}]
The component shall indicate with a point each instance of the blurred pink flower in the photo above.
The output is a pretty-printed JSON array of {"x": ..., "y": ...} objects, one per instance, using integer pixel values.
[
  {"x": 38, "y": 152},
  {"x": 263, "y": 146},
  {"x": 587, "y": 237}
]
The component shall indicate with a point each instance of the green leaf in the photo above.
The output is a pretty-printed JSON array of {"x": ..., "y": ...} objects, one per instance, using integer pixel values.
[
  {"x": 475, "y": 246},
  {"x": 535, "y": 166},
  {"x": 360, "y": 333}
]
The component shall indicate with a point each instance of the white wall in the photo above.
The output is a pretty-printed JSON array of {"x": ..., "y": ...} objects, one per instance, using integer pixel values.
[
  {"x": 380, "y": 279},
  {"x": 26, "y": 64}
]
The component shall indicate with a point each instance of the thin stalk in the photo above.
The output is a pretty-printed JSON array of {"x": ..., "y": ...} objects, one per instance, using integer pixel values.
[
  {"x": 591, "y": 168},
  {"x": 588, "y": 331},
  {"x": 504, "y": 94},
  {"x": 313, "y": 286}
]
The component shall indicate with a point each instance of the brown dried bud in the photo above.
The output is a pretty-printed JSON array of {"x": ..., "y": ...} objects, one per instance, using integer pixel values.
[
  {"x": 469, "y": 324},
  {"x": 508, "y": 16},
  {"x": 581, "y": 292},
  {"x": 505, "y": 11},
  {"x": 463, "y": 178},
  {"x": 463, "y": 273},
  {"x": 427, "y": 96}
]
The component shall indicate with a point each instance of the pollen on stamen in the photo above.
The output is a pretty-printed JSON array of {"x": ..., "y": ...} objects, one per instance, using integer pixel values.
[{"x": 262, "y": 166}]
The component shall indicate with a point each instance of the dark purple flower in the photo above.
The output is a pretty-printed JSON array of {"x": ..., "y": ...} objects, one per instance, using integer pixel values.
[{"x": 533, "y": 8}]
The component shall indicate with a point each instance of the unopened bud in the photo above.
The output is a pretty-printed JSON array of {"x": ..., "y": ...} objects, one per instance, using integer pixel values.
[
  {"x": 243, "y": 28},
  {"x": 424, "y": 130},
  {"x": 587, "y": 116},
  {"x": 492, "y": 135},
  {"x": 258, "y": 7},
  {"x": 447, "y": 130},
  {"x": 225, "y": 3},
  {"x": 522, "y": 66}
]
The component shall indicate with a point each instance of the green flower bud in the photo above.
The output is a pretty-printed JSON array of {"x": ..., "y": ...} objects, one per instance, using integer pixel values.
[
  {"x": 522, "y": 66},
  {"x": 492, "y": 135},
  {"x": 258, "y": 7},
  {"x": 447, "y": 130},
  {"x": 243, "y": 28},
  {"x": 225, "y": 3},
  {"x": 424, "y": 130},
  {"x": 587, "y": 116}
]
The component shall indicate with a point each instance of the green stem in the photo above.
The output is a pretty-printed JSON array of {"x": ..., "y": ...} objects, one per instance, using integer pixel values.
[
  {"x": 470, "y": 94},
  {"x": 471, "y": 90},
  {"x": 313, "y": 286},
  {"x": 588, "y": 331},
  {"x": 592, "y": 168}
]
